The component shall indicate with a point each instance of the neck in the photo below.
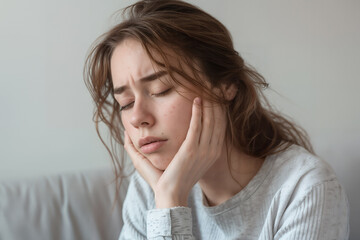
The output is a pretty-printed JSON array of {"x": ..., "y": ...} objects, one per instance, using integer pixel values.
[{"x": 222, "y": 181}]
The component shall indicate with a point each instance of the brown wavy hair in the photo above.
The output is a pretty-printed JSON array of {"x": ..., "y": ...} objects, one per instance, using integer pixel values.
[{"x": 204, "y": 45}]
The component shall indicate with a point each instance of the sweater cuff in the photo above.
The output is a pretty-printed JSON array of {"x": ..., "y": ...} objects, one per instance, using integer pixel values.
[{"x": 166, "y": 222}]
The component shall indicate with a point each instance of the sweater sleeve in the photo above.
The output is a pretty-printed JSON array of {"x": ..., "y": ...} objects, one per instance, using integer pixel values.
[
  {"x": 169, "y": 223},
  {"x": 322, "y": 214},
  {"x": 142, "y": 221}
]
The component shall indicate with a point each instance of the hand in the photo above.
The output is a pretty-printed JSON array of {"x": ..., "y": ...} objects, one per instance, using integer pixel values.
[{"x": 199, "y": 151}]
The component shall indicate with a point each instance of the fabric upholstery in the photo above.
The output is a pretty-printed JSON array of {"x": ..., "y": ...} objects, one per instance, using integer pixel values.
[{"x": 68, "y": 206}]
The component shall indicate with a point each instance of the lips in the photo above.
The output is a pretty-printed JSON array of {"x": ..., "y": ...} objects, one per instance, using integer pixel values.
[{"x": 151, "y": 144}]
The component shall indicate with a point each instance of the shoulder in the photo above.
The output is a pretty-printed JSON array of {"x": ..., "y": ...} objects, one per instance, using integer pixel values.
[
  {"x": 296, "y": 174},
  {"x": 297, "y": 168},
  {"x": 306, "y": 190},
  {"x": 298, "y": 177}
]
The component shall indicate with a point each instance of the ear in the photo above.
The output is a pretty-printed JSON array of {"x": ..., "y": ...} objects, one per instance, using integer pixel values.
[{"x": 229, "y": 90}]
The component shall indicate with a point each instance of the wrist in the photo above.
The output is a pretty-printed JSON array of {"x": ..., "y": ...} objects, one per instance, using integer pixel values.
[{"x": 168, "y": 200}]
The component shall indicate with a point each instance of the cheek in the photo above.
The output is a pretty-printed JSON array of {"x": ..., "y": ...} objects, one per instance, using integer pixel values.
[
  {"x": 127, "y": 126},
  {"x": 172, "y": 108},
  {"x": 124, "y": 122},
  {"x": 178, "y": 116}
]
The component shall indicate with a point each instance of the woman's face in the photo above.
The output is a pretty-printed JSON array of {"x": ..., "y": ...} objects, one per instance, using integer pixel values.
[{"x": 155, "y": 116}]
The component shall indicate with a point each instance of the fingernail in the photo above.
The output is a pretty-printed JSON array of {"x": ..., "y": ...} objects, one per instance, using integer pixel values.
[{"x": 197, "y": 100}]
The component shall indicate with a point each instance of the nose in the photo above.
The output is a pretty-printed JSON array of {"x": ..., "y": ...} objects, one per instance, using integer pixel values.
[{"x": 142, "y": 115}]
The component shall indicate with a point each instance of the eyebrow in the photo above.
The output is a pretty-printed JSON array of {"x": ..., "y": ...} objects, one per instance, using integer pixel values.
[{"x": 149, "y": 78}]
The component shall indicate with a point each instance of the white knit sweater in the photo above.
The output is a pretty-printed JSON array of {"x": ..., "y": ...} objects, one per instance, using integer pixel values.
[{"x": 295, "y": 195}]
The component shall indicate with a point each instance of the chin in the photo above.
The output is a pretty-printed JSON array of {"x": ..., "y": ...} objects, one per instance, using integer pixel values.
[{"x": 160, "y": 163}]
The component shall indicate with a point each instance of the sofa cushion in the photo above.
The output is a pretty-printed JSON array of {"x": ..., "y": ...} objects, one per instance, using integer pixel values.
[{"x": 68, "y": 206}]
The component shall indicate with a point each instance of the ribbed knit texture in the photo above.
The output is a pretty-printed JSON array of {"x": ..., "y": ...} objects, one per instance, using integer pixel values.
[{"x": 295, "y": 196}]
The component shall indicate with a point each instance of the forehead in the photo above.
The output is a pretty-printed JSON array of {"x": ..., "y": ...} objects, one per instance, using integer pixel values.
[
  {"x": 129, "y": 59},
  {"x": 130, "y": 62}
]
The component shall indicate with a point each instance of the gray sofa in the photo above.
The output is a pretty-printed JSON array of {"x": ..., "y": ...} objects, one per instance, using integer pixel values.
[{"x": 67, "y": 206}]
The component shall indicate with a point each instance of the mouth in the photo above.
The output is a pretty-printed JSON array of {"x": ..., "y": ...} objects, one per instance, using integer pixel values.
[{"x": 151, "y": 144}]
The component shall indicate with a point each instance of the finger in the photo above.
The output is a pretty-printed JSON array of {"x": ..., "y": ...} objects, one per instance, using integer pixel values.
[
  {"x": 219, "y": 125},
  {"x": 193, "y": 134},
  {"x": 136, "y": 157},
  {"x": 141, "y": 163},
  {"x": 207, "y": 123}
]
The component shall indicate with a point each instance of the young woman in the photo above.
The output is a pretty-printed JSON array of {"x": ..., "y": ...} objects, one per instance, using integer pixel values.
[{"x": 212, "y": 159}]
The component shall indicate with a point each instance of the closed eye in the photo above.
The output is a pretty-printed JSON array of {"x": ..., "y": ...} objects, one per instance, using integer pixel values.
[
  {"x": 127, "y": 106},
  {"x": 162, "y": 93}
]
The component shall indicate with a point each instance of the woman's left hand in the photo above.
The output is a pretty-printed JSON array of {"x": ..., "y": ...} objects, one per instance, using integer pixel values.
[{"x": 202, "y": 146}]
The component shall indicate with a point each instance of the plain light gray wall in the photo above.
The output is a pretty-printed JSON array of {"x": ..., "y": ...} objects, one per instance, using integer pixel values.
[{"x": 309, "y": 52}]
